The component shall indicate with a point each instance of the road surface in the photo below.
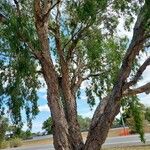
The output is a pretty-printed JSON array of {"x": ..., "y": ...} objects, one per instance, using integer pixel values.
[{"x": 110, "y": 142}]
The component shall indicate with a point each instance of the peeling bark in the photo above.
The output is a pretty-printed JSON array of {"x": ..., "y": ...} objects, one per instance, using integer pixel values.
[{"x": 71, "y": 111}]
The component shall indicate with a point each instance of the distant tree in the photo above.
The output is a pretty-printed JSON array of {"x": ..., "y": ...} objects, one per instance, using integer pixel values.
[
  {"x": 133, "y": 115},
  {"x": 117, "y": 123},
  {"x": 147, "y": 114},
  {"x": 28, "y": 133},
  {"x": 47, "y": 126},
  {"x": 3, "y": 128},
  {"x": 84, "y": 123},
  {"x": 17, "y": 132}
]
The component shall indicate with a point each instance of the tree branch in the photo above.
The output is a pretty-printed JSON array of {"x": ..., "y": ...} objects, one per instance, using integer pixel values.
[
  {"x": 47, "y": 8},
  {"x": 138, "y": 74},
  {"x": 78, "y": 36},
  {"x": 95, "y": 75},
  {"x": 37, "y": 9},
  {"x": 73, "y": 36},
  {"x": 145, "y": 88},
  {"x": 50, "y": 8},
  {"x": 32, "y": 50},
  {"x": 135, "y": 47},
  {"x": 78, "y": 72},
  {"x": 58, "y": 36}
]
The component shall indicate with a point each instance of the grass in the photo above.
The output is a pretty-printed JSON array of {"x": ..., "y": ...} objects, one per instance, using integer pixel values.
[
  {"x": 130, "y": 148},
  {"x": 38, "y": 142},
  {"x": 112, "y": 133}
]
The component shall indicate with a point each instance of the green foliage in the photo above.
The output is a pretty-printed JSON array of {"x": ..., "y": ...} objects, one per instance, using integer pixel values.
[
  {"x": 17, "y": 132},
  {"x": 110, "y": 56},
  {"x": 147, "y": 114},
  {"x": 134, "y": 116},
  {"x": 19, "y": 79},
  {"x": 3, "y": 128},
  {"x": 15, "y": 142},
  {"x": 28, "y": 134},
  {"x": 47, "y": 125},
  {"x": 84, "y": 123},
  {"x": 117, "y": 123},
  {"x": 4, "y": 144}
]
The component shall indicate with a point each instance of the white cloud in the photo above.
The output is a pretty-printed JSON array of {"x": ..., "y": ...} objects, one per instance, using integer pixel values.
[
  {"x": 25, "y": 127},
  {"x": 89, "y": 113},
  {"x": 85, "y": 84},
  {"x": 44, "y": 96},
  {"x": 36, "y": 126},
  {"x": 44, "y": 108}
]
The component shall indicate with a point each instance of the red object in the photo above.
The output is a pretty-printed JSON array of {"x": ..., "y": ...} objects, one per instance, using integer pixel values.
[{"x": 124, "y": 132}]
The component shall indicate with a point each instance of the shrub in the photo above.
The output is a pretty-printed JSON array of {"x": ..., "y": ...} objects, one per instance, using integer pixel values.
[
  {"x": 4, "y": 144},
  {"x": 16, "y": 142}
]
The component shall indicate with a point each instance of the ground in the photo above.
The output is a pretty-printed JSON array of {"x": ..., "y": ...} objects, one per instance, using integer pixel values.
[{"x": 130, "y": 148}]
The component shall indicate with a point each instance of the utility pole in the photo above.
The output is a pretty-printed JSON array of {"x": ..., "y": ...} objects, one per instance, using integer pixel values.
[{"x": 123, "y": 123}]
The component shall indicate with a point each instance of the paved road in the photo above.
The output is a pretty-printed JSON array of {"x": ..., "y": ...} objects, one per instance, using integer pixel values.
[{"x": 110, "y": 142}]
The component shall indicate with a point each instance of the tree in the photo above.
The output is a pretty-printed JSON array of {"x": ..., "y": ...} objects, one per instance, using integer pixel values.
[
  {"x": 84, "y": 123},
  {"x": 71, "y": 41},
  {"x": 3, "y": 128},
  {"x": 47, "y": 125},
  {"x": 117, "y": 123},
  {"x": 147, "y": 114},
  {"x": 134, "y": 116}
]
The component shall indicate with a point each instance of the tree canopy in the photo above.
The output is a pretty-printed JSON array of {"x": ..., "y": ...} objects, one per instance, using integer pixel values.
[{"x": 68, "y": 42}]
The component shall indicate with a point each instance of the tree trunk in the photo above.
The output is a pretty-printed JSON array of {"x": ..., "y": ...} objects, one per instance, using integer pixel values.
[
  {"x": 74, "y": 128},
  {"x": 60, "y": 126},
  {"x": 70, "y": 107},
  {"x": 69, "y": 98},
  {"x": 101, "y": 123}
]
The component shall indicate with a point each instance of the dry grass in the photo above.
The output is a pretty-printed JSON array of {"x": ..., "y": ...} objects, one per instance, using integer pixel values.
[
  {"x": 130, "y": 148},
  {"x": 38, "y": 142},
  {"x": 112, "y": 133}
]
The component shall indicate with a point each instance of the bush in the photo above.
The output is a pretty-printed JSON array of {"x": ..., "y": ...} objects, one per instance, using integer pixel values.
[
  {"x": 4, "y": 144},
  {"x": 16, "y": 142}
]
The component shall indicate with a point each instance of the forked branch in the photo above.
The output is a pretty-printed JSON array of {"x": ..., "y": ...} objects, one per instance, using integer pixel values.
[
  {"x": 145, "y": 88},
  {"x": 138, "y": 74}
]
